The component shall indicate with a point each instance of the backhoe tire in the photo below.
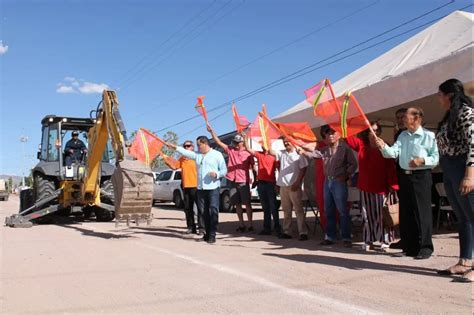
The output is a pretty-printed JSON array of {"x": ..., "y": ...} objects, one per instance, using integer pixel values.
[
  {"x": 103, "y": 215},
  {"x": 43, "y": 188}
]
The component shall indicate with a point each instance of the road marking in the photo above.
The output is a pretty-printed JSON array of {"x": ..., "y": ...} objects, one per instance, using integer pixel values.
[{"x": 333, "y": 304}]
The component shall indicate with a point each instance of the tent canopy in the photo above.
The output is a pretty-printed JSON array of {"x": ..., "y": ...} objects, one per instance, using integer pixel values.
[{"x": 407, "y": 75}]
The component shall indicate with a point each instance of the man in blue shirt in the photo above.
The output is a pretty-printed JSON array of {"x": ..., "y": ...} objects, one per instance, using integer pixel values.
[
  {"x": 417, "y": 154},
  {"x": 210, "y": 169}
]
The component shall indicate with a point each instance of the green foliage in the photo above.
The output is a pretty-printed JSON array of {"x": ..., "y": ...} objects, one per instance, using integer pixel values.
[{"x": 10, "y": 184}]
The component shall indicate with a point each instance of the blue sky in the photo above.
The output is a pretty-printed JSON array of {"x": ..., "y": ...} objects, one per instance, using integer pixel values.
[{"x": 55, "y": 56}]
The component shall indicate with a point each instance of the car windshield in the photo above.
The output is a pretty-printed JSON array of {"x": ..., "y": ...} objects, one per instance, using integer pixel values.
[{"x": 166, "y": 175}]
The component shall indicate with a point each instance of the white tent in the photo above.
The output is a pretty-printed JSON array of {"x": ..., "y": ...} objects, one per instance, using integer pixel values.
[{"x": 407, "y": 75}]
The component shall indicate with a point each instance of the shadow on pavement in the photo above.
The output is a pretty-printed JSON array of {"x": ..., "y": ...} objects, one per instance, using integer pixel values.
[{"x": 354, "y": 264}]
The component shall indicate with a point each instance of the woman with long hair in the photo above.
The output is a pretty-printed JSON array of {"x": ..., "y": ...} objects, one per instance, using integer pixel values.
[
  {"x": 455, "y": 139},
  {"x": 377, "y": 176}
]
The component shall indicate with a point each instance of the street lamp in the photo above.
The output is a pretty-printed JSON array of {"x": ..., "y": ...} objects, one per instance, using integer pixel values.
[{"x": 23, "y": 140}]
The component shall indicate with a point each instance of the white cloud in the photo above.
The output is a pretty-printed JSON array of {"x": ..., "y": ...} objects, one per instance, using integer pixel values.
[
  {"x": 89, "y": 87},
  {"x": 73, "y": 85},
  {"x": 3, "y": 48},
  {"x": 65, "y": 89}
]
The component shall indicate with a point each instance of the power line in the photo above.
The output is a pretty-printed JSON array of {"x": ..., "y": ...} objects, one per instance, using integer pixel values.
[
  {"x": 155, "y": 50},
  {"x": 269, "y": 53},
  {"x": 167, "y": 54},
  {"x": 306, "y": 70}
]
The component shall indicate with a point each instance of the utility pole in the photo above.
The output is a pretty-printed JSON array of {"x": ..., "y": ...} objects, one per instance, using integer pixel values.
[{"x": 23, "y": 140}]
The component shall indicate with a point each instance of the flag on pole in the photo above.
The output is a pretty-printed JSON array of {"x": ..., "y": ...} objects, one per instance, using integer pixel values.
[
  {"x": 321, "y": 93},
  {"x": 263, "y": 132},
  {"x": 146, "y": 146},
  {"x": 300, "y": 131},
  {"x": 241, "y": 122},
  {"x": 170, "y": 161},
  {"x": 201, "y": 109},
  {"x": 353, "y": 119}
]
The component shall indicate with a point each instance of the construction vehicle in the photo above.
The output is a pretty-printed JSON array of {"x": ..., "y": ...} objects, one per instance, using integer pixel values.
[
  {"x": 3, "y": 190},
  {"x": 123, "y": 191}
]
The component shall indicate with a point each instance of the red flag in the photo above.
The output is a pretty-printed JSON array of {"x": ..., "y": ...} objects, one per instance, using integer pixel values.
[
  {"x": 298, "y": 133},
  {"x": 241, "y": 122},
  {"x": 170, "y": 161},
  {"x": 264, "y": 132},
  {"x": 201, "y": 109},
  {"x": 352, "y": 118},
  {"x": 322, "y": 98},
  {"x": 146, "y": 146}
]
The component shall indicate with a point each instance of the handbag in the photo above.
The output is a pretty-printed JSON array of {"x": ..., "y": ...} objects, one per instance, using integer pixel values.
[{"x": 390, "y": 210}]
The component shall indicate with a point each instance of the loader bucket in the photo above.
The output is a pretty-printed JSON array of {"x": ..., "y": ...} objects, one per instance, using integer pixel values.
[{"x": 133, "y": 190}]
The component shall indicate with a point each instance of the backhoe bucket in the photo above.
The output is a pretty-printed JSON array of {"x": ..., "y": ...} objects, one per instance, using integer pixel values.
[{"x": 133, "y": 190}]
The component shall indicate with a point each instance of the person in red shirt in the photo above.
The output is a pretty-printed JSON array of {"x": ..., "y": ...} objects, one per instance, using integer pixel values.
[
  {"x": 377, "y": 176},
  {"x": 239, "y": 164},
  {"x": 266, "y": 187}
]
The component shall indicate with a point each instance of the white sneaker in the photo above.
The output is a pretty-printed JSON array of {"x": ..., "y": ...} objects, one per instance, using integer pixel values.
[
  {"x": 384, "y": 247},
  {"x": 367, "y": 247}
]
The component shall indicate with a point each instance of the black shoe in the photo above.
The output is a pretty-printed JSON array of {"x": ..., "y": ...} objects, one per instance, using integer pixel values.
[
  {"x": 347, "y": 244},
  {"x": 326, "y": 243},
  {"x": 284, "y": 236},
  {"x": 241, "y": 229},
  {"x": 263, "y": 232},
  {"x": 303, "y": 237},
  {"x": 205, "y": 238},
  {"x": 397, "y": 245},
  {"x": 211, "y": 240},
  {"x": 423, "y": 254}
]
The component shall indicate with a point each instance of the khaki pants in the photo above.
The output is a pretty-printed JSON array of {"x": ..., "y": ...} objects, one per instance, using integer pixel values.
[{"x": 293, "y": 200}]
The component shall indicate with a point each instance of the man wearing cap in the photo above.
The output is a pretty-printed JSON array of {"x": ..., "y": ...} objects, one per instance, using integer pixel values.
[
  {"x": 74, "y": 149},
  {"x": 238, "y": 165}
]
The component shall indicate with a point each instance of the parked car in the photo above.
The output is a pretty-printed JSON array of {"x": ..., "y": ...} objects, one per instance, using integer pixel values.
[{"x": 167, "y": 188}]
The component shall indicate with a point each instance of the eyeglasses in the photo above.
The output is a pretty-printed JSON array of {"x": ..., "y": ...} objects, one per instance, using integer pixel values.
[{"x": 187, "y": 145}]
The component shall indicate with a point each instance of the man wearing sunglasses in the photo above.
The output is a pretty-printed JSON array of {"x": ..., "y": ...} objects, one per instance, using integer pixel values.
[
  {"x": 189, "y": 185},
  {"x": 210, "y": 169}
]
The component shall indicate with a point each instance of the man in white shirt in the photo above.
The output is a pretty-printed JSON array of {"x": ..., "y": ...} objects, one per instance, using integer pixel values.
[{"x": 290, "y": 178}]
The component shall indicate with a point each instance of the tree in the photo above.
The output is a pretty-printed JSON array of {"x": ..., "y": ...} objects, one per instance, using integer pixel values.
[
  {"x": 10, "y": 184},
  {"x": 170, "y": 137}
]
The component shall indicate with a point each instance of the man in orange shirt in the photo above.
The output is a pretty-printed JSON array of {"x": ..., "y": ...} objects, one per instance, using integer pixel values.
[{"x": 189, "y": 185}]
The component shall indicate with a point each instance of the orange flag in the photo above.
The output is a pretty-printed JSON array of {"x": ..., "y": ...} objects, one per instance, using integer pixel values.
[
  {"x": 298, "y": 133},
  {"x": 201, "y": 109},
  {"x": 170, "y": 161},
  {"x": 322, "y": 93},
  {"x": 146, "y": 146},
  {"x": 264, "y": 132},
  {"x": 241, "y": 122},
  {"x": 352, "y": 118}
]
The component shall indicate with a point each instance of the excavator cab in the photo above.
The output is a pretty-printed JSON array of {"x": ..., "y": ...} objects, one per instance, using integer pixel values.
[{"x": 103, "y": 179}]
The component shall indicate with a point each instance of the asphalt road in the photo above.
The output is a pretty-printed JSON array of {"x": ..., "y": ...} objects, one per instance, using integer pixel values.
[{"x": 90, "y": 268}]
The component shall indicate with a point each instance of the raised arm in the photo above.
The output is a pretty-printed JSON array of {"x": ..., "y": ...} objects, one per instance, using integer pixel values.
[
  {"x": 216, "y": 138},
  {"x": 389, "y": 152},
  {"x": 247, "y": 145}
]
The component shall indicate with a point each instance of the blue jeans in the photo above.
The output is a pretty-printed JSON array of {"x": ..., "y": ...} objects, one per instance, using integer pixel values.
[
  {"x": 208, "y": 202},
  {"x": 335, "y": 196},
  {"x": 267, "y": 195},
  {"x": 463, "y": 206}
]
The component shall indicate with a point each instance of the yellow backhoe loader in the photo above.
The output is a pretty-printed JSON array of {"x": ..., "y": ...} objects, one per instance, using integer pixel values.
[{"x": 105, "y": 181}]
